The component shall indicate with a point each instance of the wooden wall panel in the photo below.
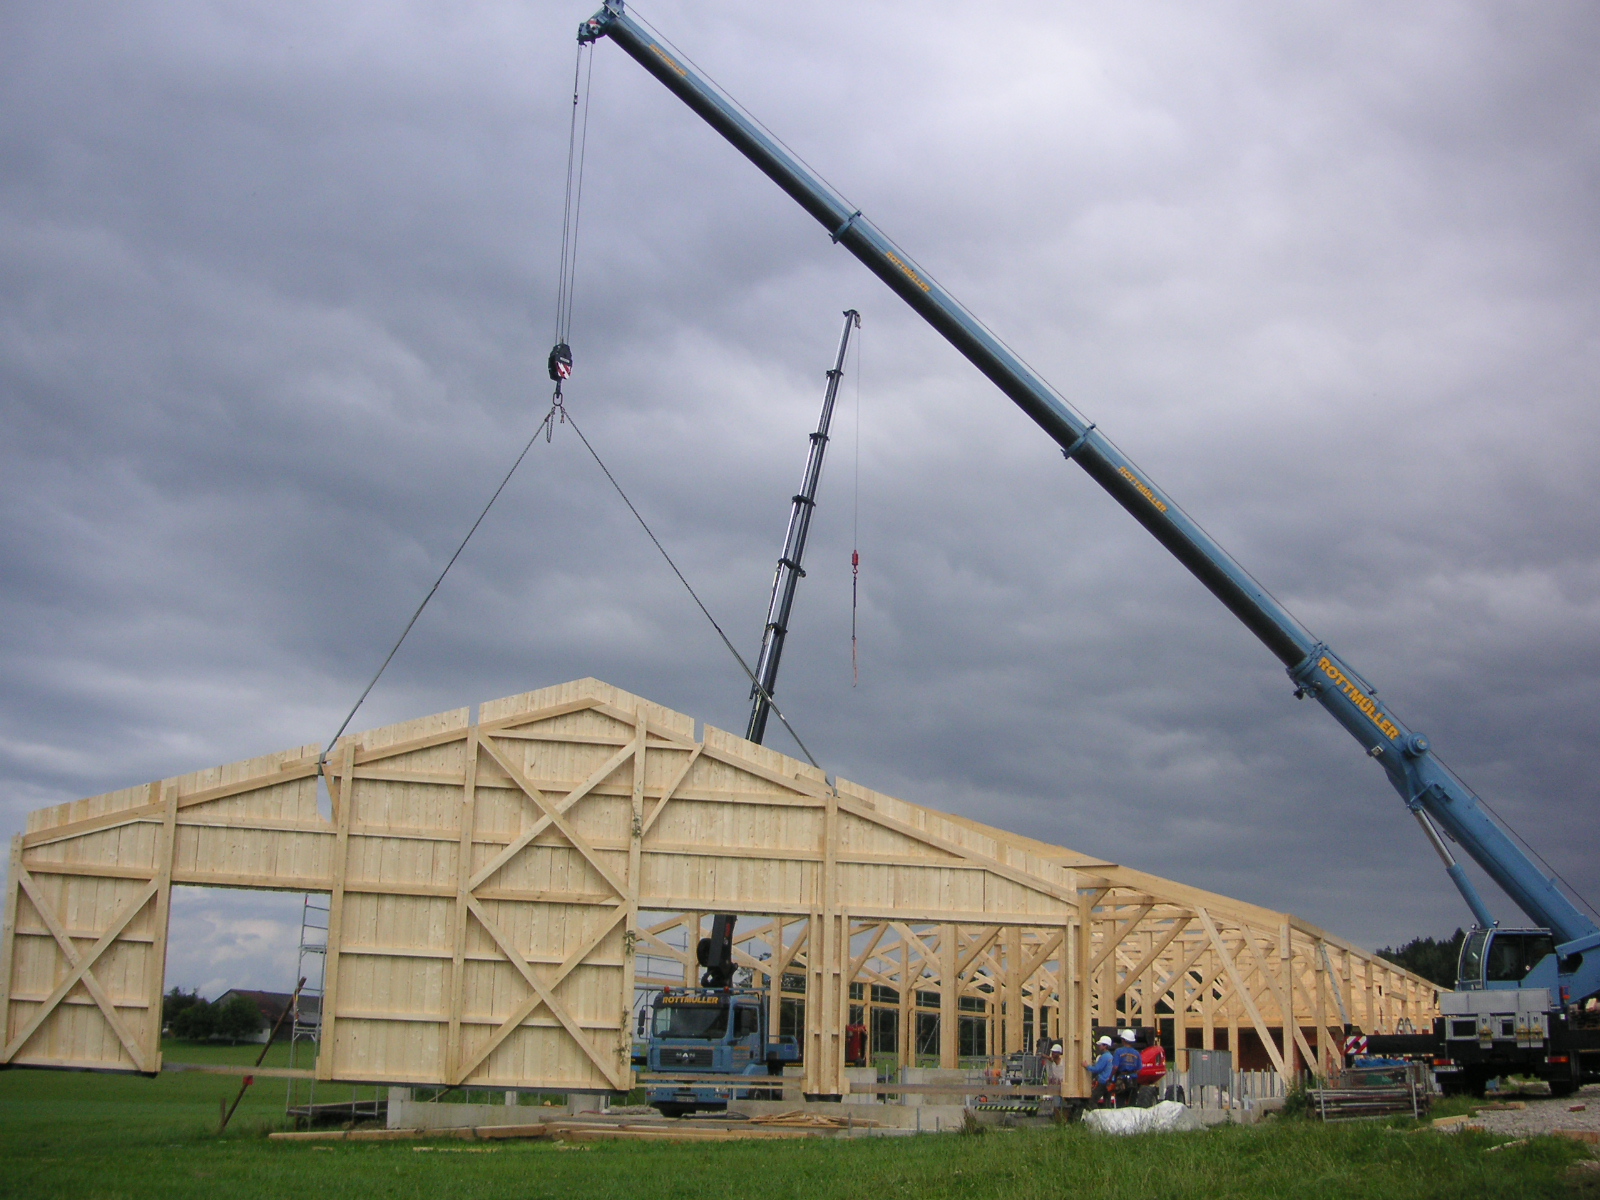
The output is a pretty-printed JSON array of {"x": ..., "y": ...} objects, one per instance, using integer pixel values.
[{"x": 488, "y": 882}]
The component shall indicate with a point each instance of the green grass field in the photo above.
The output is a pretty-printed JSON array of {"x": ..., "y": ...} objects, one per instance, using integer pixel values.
[{"x": 90, "y": 1136}]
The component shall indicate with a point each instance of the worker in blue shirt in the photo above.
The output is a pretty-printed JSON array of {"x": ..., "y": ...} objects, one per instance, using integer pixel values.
[
  {"x": 1127, "y": 1062},
  {"x": 1100, "y": 1071}
]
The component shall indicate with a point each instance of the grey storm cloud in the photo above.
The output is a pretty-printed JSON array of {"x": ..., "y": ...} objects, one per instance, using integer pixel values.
[{"x": 276, "y": 286}]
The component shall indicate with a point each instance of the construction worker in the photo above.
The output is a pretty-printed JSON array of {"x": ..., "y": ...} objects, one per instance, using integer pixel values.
[
  {"x": 855, "y": 1044},
  {"x": 1101, "y": 1071},
  {"x": 1055, "y": 1069},
  {"x": 1127, "y": 1062},
  {"x": 1055, "y": 1078}
]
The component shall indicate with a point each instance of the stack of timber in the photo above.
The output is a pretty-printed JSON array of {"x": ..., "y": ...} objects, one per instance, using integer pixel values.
[
  {"x": 799, "y": 1119},
  {"x": 499, "y": 886}
]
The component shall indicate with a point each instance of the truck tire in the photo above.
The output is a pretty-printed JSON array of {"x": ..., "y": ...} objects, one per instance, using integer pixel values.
[{"x": 1146, "y": 1097}]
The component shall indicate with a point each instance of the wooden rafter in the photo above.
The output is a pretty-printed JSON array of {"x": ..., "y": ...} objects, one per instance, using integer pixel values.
[
  {"x": 1115, "y": 937},
  {"x": 1152, "y": 955},
  {"x": 1240, "y": 990}
]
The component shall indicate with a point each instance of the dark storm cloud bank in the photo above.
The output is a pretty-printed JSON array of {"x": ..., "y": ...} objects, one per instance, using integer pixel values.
[{"x": 275, "y": 302}]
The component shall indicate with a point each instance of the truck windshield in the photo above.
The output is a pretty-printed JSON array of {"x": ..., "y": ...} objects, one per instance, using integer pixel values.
[
  {"x": 1470, "y": 970},
  {"x": 707, "y": 1022},
  {"x": 1513, "y": 955}
]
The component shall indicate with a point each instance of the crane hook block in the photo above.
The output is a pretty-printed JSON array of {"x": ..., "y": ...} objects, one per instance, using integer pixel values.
[
  {"x": 596, "y": 26},
  {"x": 560, "y": 361}
]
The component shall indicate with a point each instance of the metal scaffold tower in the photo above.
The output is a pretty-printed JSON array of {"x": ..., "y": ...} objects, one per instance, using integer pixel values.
[{"x": 305, "y": 1031}]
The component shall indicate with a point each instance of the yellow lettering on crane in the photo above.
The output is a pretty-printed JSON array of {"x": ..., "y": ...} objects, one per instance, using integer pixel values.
[
  {"x": 667, "y": 58},
  {"x": 1143, "y": 488},
  {"x": 909, "y": 273},
  {"x": 1360, "y": 699}
]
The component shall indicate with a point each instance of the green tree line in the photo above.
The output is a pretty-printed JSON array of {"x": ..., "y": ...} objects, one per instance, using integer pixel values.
[
  {"x": 1432, "y": 958},
  {"x": 185, "y": 1015}
]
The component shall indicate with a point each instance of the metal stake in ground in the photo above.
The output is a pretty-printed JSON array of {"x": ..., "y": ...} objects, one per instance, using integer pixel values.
[{"x": 262, "y": 1057}]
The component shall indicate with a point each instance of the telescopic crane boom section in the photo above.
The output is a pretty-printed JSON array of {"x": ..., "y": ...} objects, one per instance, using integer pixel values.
[
  {"x": 790, "y": 571},
  {"x": 715, "y": 953},
  {"x": 1421, "y": 779}
]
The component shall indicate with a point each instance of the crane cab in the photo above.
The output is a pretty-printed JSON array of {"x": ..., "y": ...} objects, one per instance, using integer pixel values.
[{"x": 1498, "y": 959}]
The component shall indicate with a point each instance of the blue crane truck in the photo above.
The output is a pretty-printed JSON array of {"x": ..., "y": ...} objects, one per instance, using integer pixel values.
[
  {"x": 1496, "y": 1024},
  {"x": 1531, "y": 1015},
  {"x": 702, "y": 1037}
]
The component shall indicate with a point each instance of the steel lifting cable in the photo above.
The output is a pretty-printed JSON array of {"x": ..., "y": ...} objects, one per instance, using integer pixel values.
[
  {"x": 560, "y": 363},
  {"x": 693, "y": 595},
  {"x": 393, "y": 650},
  {"x": 560, "y": 368}
]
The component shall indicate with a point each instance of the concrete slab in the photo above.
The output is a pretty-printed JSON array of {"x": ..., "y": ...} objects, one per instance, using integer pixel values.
[
  {"x": 938, "y": 1075},
  {"x": 407, "y": 1113}
]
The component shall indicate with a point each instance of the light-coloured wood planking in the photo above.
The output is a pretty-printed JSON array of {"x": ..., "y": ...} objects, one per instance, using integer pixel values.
[{"x": 492, "y": 885}]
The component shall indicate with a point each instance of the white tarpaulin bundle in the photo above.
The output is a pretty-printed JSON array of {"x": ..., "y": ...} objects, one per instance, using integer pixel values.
[{"x": 1167, "y": 1117}]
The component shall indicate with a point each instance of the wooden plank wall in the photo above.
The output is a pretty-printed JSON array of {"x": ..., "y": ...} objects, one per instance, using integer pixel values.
[{"x": 493, "y": 882}]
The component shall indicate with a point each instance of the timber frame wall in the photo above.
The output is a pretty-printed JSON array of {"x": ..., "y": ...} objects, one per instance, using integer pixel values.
[{"x": 493, "y": 884}]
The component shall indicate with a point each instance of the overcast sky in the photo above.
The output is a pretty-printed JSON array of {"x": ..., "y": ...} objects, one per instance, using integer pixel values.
[{"x": 277, "y": 284}]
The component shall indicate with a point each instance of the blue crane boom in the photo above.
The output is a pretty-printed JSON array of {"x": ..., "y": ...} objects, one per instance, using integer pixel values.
[{"x": 1426, "y": 786}]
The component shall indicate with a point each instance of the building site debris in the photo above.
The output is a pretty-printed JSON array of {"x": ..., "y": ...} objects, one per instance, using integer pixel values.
[
  {"x": 1168, "y": 1116},
  {"x": 1385, "y": 1090},
  {"x": 812, "y": 1120},
  {"x": 1508, "y": 1145}
]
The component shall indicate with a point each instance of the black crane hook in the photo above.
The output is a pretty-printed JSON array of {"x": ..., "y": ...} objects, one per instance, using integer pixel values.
[{"x": 560, "y": 362}]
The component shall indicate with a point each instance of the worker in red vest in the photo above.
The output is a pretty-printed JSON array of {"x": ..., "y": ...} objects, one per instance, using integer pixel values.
[{"x": 855, "y": 1044}]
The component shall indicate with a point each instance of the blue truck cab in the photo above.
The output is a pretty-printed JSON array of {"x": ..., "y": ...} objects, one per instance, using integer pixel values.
[{"x": 717, "y": 1034}]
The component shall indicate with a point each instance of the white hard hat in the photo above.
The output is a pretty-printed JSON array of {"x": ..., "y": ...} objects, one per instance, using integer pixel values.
[
  {"x": 1104, "y": 1041},
  {"x": 1129, "y": 1036},
  {"x": 1056, "y": 1049}
]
